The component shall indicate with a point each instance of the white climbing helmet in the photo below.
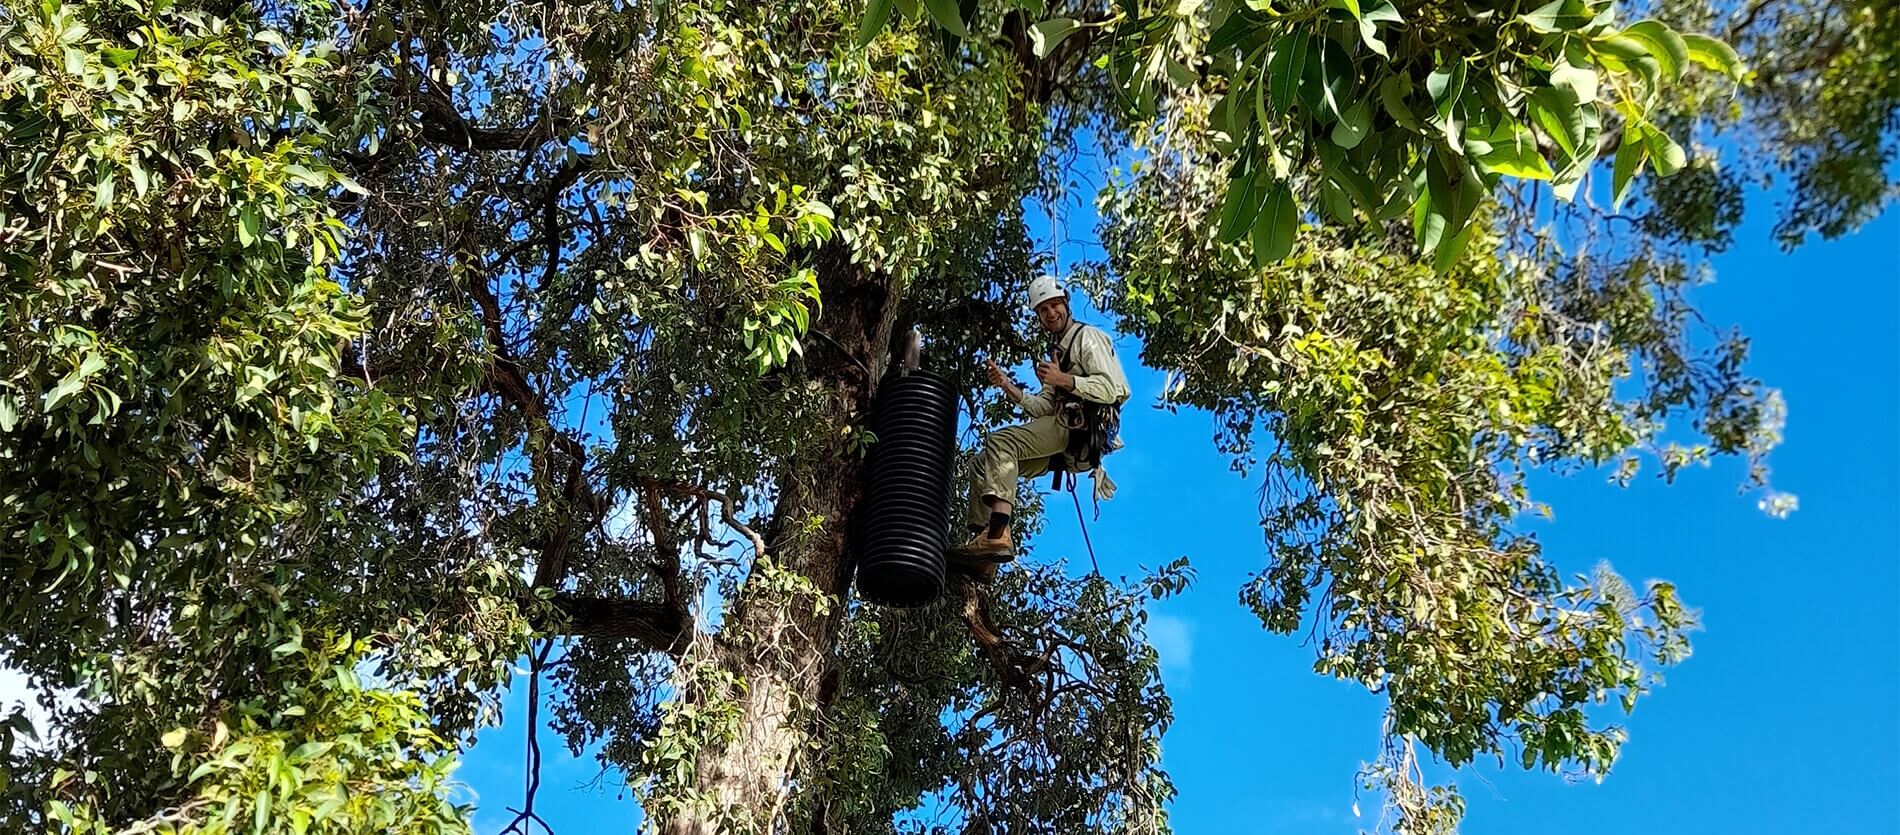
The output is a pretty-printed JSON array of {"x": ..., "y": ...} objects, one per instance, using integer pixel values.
[{"x": 1044, "y": 288}]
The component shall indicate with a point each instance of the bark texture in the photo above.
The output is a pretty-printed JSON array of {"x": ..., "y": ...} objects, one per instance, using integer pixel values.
[{"x": 777, "y": 644}]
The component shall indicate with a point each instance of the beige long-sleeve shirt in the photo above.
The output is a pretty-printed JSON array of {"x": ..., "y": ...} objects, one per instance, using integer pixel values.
[{"x": 1098, "y": 373}]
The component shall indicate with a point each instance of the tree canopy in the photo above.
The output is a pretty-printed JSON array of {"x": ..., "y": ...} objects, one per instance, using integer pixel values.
[{"x": 351, "y": 352}]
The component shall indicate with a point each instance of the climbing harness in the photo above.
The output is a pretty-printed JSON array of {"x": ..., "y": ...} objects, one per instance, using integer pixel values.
[{"x": 1093, "y": 427}]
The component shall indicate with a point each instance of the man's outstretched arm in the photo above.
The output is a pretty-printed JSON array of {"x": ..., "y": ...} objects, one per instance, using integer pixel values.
[{"x": 1039, "y": 404}]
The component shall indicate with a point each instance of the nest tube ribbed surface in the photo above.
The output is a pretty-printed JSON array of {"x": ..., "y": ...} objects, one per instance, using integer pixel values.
[{"x": 901, "y": 529}]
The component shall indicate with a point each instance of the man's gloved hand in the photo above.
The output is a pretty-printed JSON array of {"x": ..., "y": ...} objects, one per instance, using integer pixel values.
[{"x": 1104, "y": 486}]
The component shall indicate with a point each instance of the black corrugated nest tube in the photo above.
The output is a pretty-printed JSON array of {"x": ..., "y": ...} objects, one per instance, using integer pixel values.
[{"x": 901, "y": 530}]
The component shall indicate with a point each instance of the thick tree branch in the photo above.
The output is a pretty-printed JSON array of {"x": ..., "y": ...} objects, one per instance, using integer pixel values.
[
  {"x": 728, "y": 509},
  {"x": 1012, "y": 668},
  {"x": 442, "y": 124},
  {"x": 1041, "y": 77},
  {"x": 657, "y": 625},
  {"x": 577, "y": 499}
]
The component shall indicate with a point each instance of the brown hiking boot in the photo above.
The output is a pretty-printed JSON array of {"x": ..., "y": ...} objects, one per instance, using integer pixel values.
[{"x": 983, "y": 549}]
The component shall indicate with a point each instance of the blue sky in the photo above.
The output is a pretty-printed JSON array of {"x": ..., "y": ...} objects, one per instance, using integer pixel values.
[{"x": 1787, "y": 717}]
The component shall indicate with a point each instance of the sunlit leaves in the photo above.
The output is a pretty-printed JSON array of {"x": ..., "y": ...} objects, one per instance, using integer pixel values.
[
  {"x": 1714, "y": 55},
  {"x": 1323, "y": 86},
  {"x": 1044, "y": 36},
  {"x": 171, "y": 351},
  {"x": 1630, "y": 154},
  {"x": 1669, "y": 49}
]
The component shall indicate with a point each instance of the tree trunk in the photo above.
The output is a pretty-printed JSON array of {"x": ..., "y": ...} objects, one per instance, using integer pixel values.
[{"x": 779, "y": 633}]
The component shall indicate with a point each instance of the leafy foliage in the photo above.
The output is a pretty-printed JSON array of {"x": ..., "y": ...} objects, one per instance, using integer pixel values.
[
  {"x": 348, "y": 347},
  {"x": 1373, "y": 113}
]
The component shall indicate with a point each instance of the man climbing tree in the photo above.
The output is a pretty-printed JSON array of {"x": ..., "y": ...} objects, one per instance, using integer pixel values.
[{"x": 1073, "y": 422}]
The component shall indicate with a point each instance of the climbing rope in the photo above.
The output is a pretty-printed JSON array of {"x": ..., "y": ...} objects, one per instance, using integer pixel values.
[{"x": 1083, "y": 523}]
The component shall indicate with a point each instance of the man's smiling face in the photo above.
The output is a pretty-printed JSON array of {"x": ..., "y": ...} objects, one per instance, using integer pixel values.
[{"x": 1053, "y": 314}]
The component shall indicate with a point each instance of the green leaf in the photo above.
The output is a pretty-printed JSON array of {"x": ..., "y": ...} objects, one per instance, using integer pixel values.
[
  {"x": 1329, "y": 80},
  {"x": 1239, "y": 30},
  {"x": 1275, "y": 228},
  {"x": 248, "y": 226},
  {"x": 1510, "y": 149},
  {"x": 1392, "y": 93},
  {"x": 1715, "y": 55},
  {"x": 948, "y": 16},
  {"x": 174, "y": 738},
  {"x": 1451, "y": 250},
  {"x": 1626, "y": 54},
  {"x": 1629, "y": 159},
  {"x": 9, "y": 415},
  {"x": 1544, "y": 19},
  {"x": 1353, "y": 125},
  {"x": 1234, "y": 114},
  {"x": 1580, "y": 81},
  {"x": 1044, "y": 36},
  {"x": 306, "y": 176},
  {"x": 1285, "y": 69},
  {"x": 1667, "y": 47},
  {"x": 66, "y": 387},
  {"x": 1452, "y": 193},
  {"x": 1446, "y": 85},
  {"x": 877, "y": 14},
  {"x": 1348, "y": 178},
  {"x": 1385, "y": 12},
  {"x": 1665, "y": 156},
  {"x": 1180, "y": 74},
  {"x": 1428, "y": 226},
  {"x": 1337, "y": 204},
  {"x": 1268, "y": 139},
  {"x": 310, "y": 750},
  {"x": 1558, "y": 112},
  {"x": 1242, "y": 202},
  {"x": 118, "y": 57}
]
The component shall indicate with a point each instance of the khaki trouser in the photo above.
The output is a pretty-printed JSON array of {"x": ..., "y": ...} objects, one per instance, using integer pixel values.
[{"x": 1010, "y": 453}]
